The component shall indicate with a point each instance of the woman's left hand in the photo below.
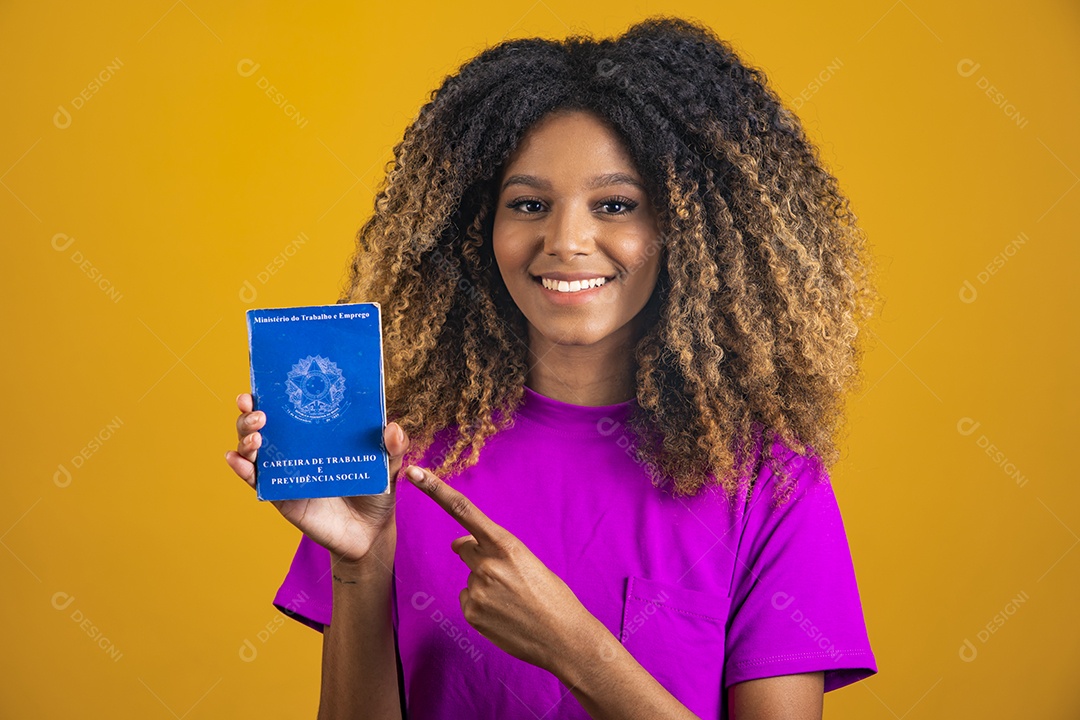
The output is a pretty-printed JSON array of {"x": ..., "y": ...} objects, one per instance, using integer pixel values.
[{"x": 511, "y": 598}]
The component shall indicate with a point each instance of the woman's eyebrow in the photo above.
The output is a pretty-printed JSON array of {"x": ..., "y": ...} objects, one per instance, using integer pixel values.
[{"x": 615, "y": 178}]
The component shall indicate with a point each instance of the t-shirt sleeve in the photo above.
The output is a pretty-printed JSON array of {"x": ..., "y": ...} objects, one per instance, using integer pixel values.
[
  {"x": 306, "y": 594},
  {"x": 795, "y": 604}
]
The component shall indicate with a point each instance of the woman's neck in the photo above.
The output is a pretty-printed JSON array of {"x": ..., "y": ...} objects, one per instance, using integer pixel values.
[{"x": 597, "y": 374}]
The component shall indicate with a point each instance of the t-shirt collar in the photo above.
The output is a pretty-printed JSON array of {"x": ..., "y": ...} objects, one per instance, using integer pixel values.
[{"x": 568, "y": 416}]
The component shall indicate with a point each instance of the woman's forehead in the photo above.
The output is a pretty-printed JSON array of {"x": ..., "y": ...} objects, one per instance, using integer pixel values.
[{"x": 580, "y": 141}]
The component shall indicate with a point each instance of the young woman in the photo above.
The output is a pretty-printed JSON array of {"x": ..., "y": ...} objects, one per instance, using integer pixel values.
[{"x": 621, "y": 297}]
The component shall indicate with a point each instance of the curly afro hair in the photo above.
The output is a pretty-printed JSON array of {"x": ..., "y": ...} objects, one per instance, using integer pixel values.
[{"x": 765, "y": 280}]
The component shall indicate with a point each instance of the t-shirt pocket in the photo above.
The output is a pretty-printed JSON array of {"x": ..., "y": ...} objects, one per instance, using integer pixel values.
[{"x": 677, "y": 634}]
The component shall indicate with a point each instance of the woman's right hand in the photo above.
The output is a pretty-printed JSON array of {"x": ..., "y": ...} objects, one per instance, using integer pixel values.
[{"x": 346, "y": 526}]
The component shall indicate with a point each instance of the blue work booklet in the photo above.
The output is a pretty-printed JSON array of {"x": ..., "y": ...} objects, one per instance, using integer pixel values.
[{"x": 317, "y": 373}]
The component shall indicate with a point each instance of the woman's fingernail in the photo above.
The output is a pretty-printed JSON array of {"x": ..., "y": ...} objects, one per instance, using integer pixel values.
[{"x": 414, "y": 473}]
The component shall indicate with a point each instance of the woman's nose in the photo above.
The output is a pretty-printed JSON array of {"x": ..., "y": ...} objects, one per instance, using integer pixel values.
[{"x": 569, "y": 232}]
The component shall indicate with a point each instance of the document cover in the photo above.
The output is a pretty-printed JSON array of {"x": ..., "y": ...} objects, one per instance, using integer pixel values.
[{"x": 317, "y": 373}]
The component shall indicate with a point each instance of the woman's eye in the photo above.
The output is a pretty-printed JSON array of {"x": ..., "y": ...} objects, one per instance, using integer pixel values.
[
  {"x": 612, "y": 206},
  {"x": 518, "y": 204},
  {"x": 627, "y": 205}
]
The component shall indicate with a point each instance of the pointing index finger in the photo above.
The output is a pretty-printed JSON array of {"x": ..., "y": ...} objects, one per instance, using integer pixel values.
[{"x": 456, "y": 504}]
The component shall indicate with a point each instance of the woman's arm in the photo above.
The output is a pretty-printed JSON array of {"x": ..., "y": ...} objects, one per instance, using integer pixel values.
[
  {"x": 610, "y": 683},
  {"x": 359, "y": 666},
  {"x": 791, "y": 697},
  {"x": 607, "y": 680},
  {"x": 359, "y": 669}
]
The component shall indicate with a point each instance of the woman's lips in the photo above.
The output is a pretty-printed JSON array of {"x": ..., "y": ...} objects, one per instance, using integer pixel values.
[{"x": 574, "y": 297}]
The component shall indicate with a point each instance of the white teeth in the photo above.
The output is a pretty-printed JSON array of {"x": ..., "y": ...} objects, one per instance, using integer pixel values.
[{"x": 573, "y": 285}]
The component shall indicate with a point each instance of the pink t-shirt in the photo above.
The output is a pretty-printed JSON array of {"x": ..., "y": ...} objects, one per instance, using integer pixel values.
[{"x": 703, "y": 592}]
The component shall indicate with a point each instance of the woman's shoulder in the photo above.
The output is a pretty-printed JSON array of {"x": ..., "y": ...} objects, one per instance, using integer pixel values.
[{"x": 787, "y": 470}]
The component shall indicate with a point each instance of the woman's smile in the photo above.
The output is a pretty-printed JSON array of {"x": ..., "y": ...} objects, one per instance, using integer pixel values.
[{"x": 572, "y": 288}]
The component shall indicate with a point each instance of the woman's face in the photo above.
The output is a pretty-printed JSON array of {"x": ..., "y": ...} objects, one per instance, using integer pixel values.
[{"x": 575, "y": 235}]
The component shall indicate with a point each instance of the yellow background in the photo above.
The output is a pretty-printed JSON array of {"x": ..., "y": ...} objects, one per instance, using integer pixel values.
[{"x": 178, "y": 180}]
